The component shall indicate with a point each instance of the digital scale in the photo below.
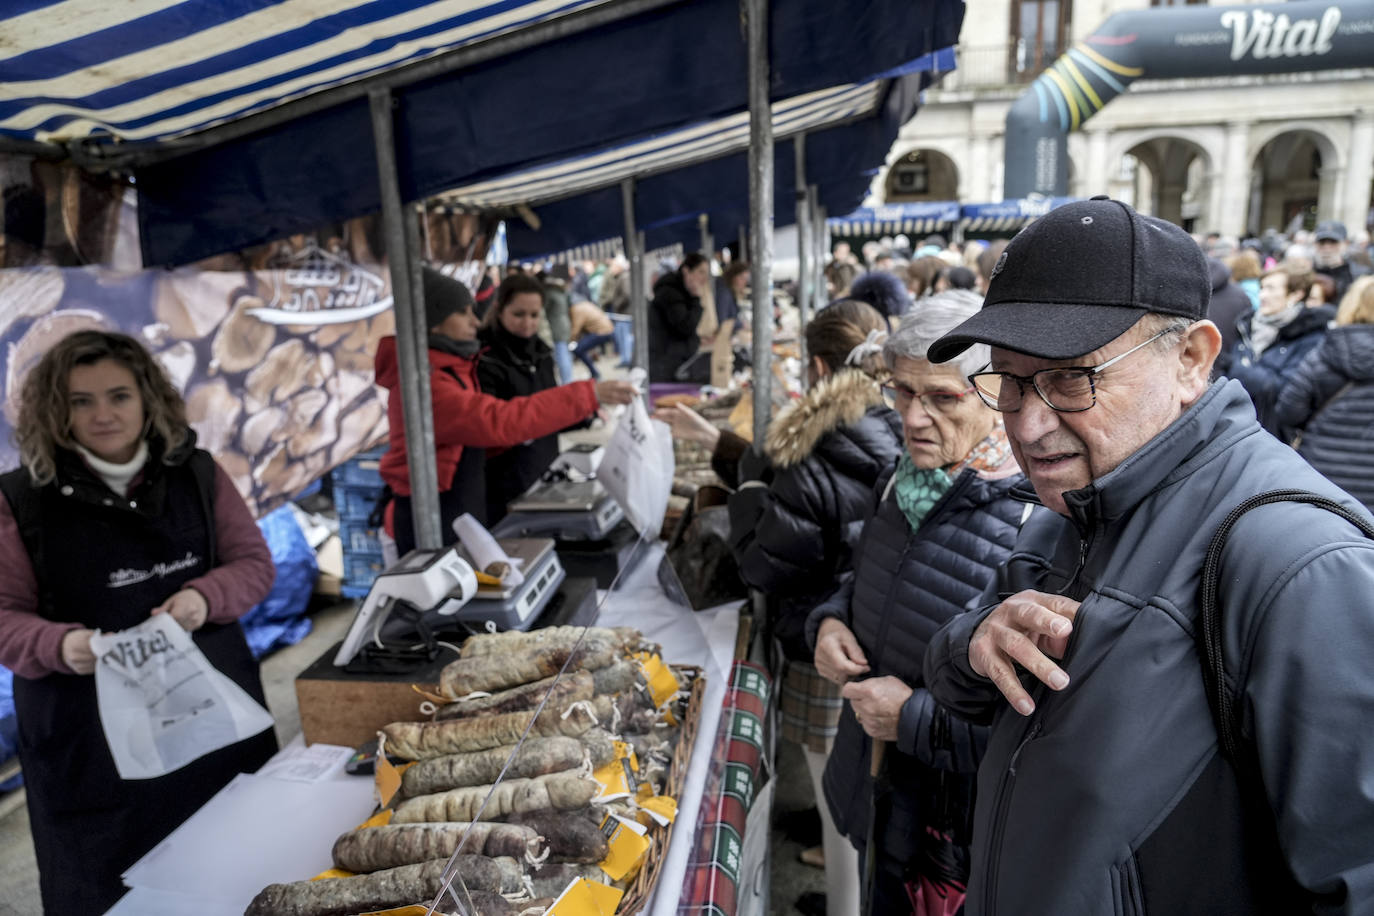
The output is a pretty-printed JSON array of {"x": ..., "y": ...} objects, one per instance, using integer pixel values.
[
  {"x": 427, "y": 591},
  {"x": 568, "y": 510},
  {"x": 513, "y": 607}
]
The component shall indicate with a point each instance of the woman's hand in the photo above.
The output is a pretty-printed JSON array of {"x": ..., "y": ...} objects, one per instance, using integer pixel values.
[
  {"x": 76, "y": 651},
  {"x": 689, "y": 425},
  {"x": 878, "y": 704},
  {"x": 187, "y": 608},
  {"x": 615, "y": 392},
  {"x": 839, "y": 657}
]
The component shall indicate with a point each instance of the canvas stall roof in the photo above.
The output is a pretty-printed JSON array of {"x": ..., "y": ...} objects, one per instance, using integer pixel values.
[
  {"x": 1007, "y": 215},
  {"x": 916, "y": 218},
  {"x": 465, "y": 110},
  {"x": 157, "y": 69},
  {"x": 840, "y": 160}
]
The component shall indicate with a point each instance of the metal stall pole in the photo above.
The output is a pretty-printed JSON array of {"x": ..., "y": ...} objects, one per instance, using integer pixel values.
[
  {"x": 708, "y": 244},
  {"x": 743, "y": 253},
  {"x": 821, "y": 239},
  {"x": 803, "y": 202},
  {"x": 634, "y": 251},
  {"x": 760, "y": 213},
  {"x": 412, "y": 337}
]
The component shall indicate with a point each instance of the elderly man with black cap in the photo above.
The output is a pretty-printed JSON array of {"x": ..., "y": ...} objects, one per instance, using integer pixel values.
[
  {"x": 1330, "y": 258},
  {"x": 1109, "y": 786},
  {"x": 466, "y": 421}
]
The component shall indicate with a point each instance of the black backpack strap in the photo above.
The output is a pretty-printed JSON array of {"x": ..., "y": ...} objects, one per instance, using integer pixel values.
[{"x": 1219, "y": 698}]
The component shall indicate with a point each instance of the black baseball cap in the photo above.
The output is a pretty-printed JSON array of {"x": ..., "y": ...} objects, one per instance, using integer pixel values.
[
  {"x": 1079, "y": 277},
  {"x": 1330, "y": 231}
]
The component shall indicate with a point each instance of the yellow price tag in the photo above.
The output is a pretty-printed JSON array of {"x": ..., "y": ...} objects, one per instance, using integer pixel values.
[
  {"x": 333, "y": 873},
  {"x": 380, "y": 819},
  {"x": 414, "y": 909},
  {"x": 627, "y": 847},
  {"x": 662, "y": 683},
  {"x": 586, "y": 898},
  {"x": 662, "y": 808},
  {"x": 388, "y": 779}
]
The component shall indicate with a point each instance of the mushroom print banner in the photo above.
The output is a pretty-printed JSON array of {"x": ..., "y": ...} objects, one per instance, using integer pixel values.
[{"x": 275, "y": 362}]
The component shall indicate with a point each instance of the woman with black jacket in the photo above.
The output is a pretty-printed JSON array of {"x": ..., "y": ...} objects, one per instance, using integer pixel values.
[
  {"x": 795, "y": 520},
  {"x": 515, "y": 363},
  {"x": 1331, "y": 397},
  {"x": 674, "y": 315},
  {"x": 941, "y": 522}
]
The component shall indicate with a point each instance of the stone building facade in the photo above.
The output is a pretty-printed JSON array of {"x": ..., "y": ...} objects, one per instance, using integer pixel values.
[{"x": 1236, "y": 155}]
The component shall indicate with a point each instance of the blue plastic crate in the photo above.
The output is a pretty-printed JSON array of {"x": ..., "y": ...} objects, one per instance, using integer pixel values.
[
  {"x": 362, "y": 470},
  {"x": 356, "y": 592},
  {"x": 358, "y": 537},
  {"x": 355, "y": 503}
]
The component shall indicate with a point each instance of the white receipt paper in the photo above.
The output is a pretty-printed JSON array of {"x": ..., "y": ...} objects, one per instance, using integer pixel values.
[{"x": 484, "y": 550}]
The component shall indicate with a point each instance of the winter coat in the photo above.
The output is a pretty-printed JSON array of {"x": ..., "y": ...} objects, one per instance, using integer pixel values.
[
  {"x": 98, "y": 559},
  {"x": 513, "y": 367},
  {"x": 1264, "y": 374},
  {"x": 1112, "y": 797},
  {"x": 673, "y": 318},
  {"x": 1343, "y": 274},
  {"x": 1229, "y": 304},
  {"x": 905, "y": 585},
  {"x": 795, "y": 535},
  {"x": 464, "y": 416},
  {"x": 1337, "y": 434}
]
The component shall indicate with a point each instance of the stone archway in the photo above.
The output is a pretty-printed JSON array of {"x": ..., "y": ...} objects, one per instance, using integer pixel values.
[
  {"x": 1295, "y": 177},
  {"x": 921, "y": 174},
  {"x": 1171, "y": 179}
]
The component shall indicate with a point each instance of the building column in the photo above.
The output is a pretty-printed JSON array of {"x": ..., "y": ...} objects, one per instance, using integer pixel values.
[
  {"x": 975, "y": 185},
  {"x": 1353, "y": 209},
  {"x": 1229, "y": 218},
  {"x": 1096, "y": 169},
  {"x": 1329, "y": 191}
]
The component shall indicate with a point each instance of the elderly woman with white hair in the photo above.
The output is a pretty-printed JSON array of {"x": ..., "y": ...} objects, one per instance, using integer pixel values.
[{"x": 943, "y": 521}]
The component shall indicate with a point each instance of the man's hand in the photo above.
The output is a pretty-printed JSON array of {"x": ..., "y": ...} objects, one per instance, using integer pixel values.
[
  {"x": 187, "y": 608},
  {"x": 839, "y": 658},
  {"x": 76, "y": 651},
  {"x": 689, "y": 425},
  {"x": 1029, "y": 629},
  {"x": 878, "y": 704}
]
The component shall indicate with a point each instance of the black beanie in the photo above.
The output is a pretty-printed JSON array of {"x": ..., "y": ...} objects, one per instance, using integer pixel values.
[{"x": 444, "y": 296}]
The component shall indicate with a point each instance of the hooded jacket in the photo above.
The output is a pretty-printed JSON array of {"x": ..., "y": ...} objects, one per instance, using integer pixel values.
[
  {"x": 1112, "y": 796},
  {"x": 1265, "y": 373},
  {"x": 464, "y": 416},
  {"x": 1337, "y": 434},
  {"x": 906, "y": 583},
  {"x": 673, "y": 318},
  {"x": 1229, "y": 303},
  {"x": 794, "y": 536}
]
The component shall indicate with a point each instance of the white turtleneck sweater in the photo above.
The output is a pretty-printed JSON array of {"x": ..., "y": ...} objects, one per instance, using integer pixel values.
[{"x": 116, "y": 476}]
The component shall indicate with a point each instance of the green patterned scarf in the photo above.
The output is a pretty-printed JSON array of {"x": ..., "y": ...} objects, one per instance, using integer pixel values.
[{"x": 918, "y": 490}]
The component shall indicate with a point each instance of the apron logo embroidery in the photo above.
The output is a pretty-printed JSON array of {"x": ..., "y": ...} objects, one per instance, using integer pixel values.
[{"x": 120, "y": 578}]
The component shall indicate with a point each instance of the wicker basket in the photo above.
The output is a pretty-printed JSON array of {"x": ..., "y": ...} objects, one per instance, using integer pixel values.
[{"x": 643, "y": 885}]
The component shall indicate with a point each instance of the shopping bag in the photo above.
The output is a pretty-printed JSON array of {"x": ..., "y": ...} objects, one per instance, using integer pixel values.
[
  {"x": 637, "y": 469},
  {"x": 162, "y": 704}
]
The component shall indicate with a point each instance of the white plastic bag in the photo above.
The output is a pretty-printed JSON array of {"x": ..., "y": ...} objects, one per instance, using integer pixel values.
[
  {"x": 162, "y": 704},
  {"x": 637, "y": 469}
]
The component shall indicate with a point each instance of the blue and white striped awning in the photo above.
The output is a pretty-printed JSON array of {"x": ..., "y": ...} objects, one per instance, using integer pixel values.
[
  {"x": 698, "y": 142},
  {"x": 909, "y": 219},
  {"x": 1008, "y": 215},
  {"x": 156, "y": 69}
]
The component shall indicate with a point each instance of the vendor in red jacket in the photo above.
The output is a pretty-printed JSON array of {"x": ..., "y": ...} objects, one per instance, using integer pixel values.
[{"x": 466, "y": 421}]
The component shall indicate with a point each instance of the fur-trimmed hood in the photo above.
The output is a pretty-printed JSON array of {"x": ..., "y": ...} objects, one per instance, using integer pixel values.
[{"x": 838, "y": 401}]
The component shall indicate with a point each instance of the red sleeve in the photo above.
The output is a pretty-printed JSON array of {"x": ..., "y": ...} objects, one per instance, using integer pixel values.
[
  {"x": 29, "y": 645},
  {"x": 245, "y": 572},
  {"x": 466, "y": 417}
]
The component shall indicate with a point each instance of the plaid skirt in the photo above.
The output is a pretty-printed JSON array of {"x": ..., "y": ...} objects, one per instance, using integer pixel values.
[{"x": 810, "y": 707}]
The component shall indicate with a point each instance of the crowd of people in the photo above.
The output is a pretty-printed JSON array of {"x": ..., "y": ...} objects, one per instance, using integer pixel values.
[
  {"x": 981, "y": 533},
  {"x": 1025, "y": 673}
]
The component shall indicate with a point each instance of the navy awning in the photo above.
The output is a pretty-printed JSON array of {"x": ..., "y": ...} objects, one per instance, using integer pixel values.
[
  {"x": 1007, "y": 215},
  {"x": 631, "y": 78},
  {"x": 918, "y": 218}
]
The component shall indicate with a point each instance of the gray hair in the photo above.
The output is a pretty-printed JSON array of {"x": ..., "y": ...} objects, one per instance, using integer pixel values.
[{"x": 932, "y": 318}]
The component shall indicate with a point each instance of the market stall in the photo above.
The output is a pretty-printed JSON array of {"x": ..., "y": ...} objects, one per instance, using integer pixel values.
[{"x": 278, "y": 825}]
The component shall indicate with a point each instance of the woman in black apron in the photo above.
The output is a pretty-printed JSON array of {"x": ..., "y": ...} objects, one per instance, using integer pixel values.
[{"x": 115, "y": 515}]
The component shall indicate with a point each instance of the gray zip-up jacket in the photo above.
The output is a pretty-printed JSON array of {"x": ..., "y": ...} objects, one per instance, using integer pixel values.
[{"x": 1112, "y": 798}]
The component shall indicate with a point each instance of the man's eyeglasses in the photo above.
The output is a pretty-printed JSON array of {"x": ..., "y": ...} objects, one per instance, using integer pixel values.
[
  {"x": 898, "y": 396},
  {"x": 1067, "y": 390}
]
